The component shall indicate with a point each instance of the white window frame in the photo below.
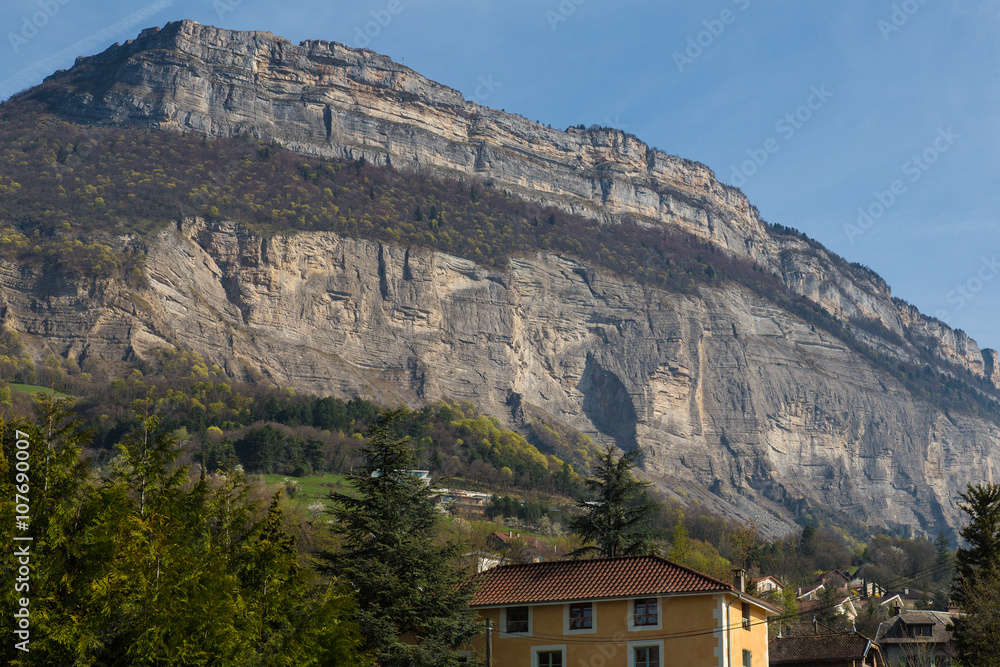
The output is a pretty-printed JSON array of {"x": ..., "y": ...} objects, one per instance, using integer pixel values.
[
  {"x": 535, "y": 650},
  {"x": 632, "y": 627},
  {"x": 503, "y": 622},
  {"x": 466, "y": 654},
  {"x": 593, "y": 618},
  {"x": 644, "y": 643}
]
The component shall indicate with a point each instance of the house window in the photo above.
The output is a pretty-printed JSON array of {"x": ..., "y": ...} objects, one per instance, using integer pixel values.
[
  {"x": 746, "y": 615},
  {"x": 646, "y": 612},
  {"x": 546, "y": 656},
  {"x": 747, "y": 658},
  {"x": 581, "y": 616},
  {"x": 645, "y": 653},
  {"x": 517, "y": 620},
  {"x": 647, "y": 656}
]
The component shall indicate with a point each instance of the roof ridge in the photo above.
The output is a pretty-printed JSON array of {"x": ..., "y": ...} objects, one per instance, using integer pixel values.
[
  {"x": 657, "y": 557},
  {"x": 597, "y": 578}
]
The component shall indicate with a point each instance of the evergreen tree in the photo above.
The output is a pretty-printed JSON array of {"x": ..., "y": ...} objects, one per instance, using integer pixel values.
[
  {"x": 870, "y": 617},
  {"x": 619, "y": 523},
  {"x": 150, "y": 566},
  {"x": 57, "y": 481},
  {"x": 943, "y": 557},
  {"x": 976, "y": 587},
  {"x": 412, "y": 607},
  {"x": 808, "y": 543},
  {"x": 976, "y": 635},
  {"x": 827, "y": 612},
  {"x": 982, "y": 535},
  {"x": 292, "y": 620}
]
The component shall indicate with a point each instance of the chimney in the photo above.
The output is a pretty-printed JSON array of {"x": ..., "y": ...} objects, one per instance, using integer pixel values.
[{"x": 739, "y": 579}]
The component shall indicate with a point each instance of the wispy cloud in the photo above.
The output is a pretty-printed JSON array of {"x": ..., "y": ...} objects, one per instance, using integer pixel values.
[{"x": 33, "y": 73}]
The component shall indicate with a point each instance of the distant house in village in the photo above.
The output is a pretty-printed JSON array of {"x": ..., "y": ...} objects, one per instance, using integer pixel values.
[
  {"x": 918, "y": 638},
  {"x": 835, "y": 649},
  {"x": 810, "y": 592},
  {"x": 867, "y": 589},
  {"x": 423, "y": 475},
  {"x": 535, "y": 549},
  {"x": 484, "y": 560},
  {"x": 891, "y": 601},
  {"x": 810, "y": 597},
  {"x": 469, "y": 503},
  {"x": 907, "y": 598},
  {"x": 642, "y": 611},
  {"x": 845, "y": 605},
  {"x": 768, "y": 584},
  {"x": 836, "y": 580}
]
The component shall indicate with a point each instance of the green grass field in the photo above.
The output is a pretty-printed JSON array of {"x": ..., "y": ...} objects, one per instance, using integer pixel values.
[
  {"x": 312, "y": 487},
  {"x": 34, "y": 389}
]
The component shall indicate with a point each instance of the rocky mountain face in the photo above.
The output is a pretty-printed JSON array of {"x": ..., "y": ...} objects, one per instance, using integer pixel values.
[{"x": 742, "y": 406}]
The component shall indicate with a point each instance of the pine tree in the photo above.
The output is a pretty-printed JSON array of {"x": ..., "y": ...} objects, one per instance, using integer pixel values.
[
  {"x": 56, "y": 481},
  {"x": 943, "y": 558},
  {"x": 150, "y": 566},
  {"x": 982, "y": 535},
  {"x": 291, "y": 619},
  {"x": 412, "y": 607},
  {"x": 976, "y": 587},
  {"x": 618, "y": 523},
  {"x": 827, "y": 612}
]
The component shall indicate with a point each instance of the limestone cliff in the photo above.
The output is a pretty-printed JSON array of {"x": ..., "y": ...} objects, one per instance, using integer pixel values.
[
  {"x": 743, "y": 406},
  {"x": 326, "y": 99}
]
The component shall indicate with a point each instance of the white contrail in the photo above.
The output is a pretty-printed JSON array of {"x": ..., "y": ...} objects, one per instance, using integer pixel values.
[{"x": 34, "y": 73}]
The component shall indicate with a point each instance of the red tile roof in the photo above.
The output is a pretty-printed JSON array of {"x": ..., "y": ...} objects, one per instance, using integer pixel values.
[
  {"x": 527, "y": 539},
  {"x": 806, "y": 649},
  {"x": 564, "y": 580}
]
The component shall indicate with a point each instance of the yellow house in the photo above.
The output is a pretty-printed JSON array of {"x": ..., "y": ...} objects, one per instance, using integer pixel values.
[{"x": 642, "y": 611}]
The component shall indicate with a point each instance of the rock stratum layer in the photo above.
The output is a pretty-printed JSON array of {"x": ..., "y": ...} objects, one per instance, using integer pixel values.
[{"x": 742, "y": 405}]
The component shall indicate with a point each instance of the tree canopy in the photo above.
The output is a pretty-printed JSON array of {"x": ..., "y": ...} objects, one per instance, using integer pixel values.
[
  {"x": 619, "y": 521},
  {"x": 151, "y": 566},
  {"x": 412, "y": 598},
  {"x": 976, "y": 587}
]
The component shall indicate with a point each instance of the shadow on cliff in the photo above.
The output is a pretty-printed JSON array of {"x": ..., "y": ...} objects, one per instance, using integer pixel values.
[{"x": 608, "y": 405}]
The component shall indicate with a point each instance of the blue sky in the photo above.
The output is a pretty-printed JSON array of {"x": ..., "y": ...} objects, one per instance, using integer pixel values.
[{"x": 815, "y": 109}]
